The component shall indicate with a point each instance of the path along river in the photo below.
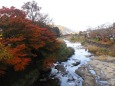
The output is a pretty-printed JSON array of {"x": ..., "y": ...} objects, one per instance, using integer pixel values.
[{"x": 68, "y": 77}]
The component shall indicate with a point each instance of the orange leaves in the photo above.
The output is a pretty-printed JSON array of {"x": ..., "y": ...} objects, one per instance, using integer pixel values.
[
  {"x": 48, "y": 63},
  {"x": 18, "y": 51},
  {"x": 15, "y": 39},
  {"x": 18, "y": 63},
  {"x": 13, "y": 61},
  {"x": 25, "y": 40},
  {"x": 22, "y": 64}
]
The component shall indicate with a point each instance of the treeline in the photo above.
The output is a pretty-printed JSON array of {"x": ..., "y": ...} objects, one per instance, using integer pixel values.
[
  {"x": 99, "y": 40},
  {"x": 27, "y": 42},
  {"x": 102, "y": 33}
]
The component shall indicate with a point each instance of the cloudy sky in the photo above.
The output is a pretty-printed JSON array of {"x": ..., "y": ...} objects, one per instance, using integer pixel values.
[{"x": 74, "y": 14}]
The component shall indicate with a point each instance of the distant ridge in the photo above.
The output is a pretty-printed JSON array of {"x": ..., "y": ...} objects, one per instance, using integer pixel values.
[{"x": 64, "y": 30}]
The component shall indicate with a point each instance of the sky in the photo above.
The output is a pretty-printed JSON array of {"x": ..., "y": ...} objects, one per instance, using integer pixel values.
[{"x": 77, "y": 15}]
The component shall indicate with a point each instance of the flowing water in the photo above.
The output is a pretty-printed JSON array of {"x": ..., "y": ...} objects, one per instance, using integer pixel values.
[{"x": 69, "y": 77}]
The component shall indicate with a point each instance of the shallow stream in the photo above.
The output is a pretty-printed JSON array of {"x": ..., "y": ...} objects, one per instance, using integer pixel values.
[{"x": 68, "y": 77}]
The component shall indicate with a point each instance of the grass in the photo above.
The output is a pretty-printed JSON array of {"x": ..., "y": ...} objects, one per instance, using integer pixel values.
[
  {"x": 93, "y": 48},
  {"x": 100, "y": 51},
  {"x": 105, "y": 58},
  {"x": 77, "y": 39},
  {"x": 106, "y": 42}
]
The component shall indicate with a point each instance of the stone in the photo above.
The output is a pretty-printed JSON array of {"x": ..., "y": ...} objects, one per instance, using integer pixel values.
[{"x": 60, "y": 67}]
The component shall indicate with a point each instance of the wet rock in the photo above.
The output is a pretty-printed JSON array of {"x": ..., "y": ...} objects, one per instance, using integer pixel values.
[
  {"x": 60, "y": 67},
  {"x": 53, "y": 72},
  {"x": 70, "y": 78},
  {"x": 89, "y": 55},
  {"x": 48, "y": 82},
  {"x": 76, "y": 63},
  {"x": 88, "y": 79},
  {"x": 44, "y": 73},
  {"x": 45, "y": 80},
  {"x": 105, "y": 71}
]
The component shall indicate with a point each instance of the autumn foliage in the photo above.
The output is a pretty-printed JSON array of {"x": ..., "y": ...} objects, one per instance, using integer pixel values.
[{"x": 24, "y": 40}]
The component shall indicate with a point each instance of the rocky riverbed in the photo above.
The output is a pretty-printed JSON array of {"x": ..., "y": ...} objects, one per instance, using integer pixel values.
[
  {"x": 98, "y": 72},
  {"x": 65, "y": 71},
  {"x": 84, "y": 69}
]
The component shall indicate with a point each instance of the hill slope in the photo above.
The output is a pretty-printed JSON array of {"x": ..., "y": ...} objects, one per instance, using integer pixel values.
[{"x": 64, "y": 30}]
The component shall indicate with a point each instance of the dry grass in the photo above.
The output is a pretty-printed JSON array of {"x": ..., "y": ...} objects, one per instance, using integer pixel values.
[
  {"x": 100, "y": 51},
  {"x": 92, "y": 49},
  {"x": 108, "y": 42},
  {"x": 112, "y": 53},
  {"x": 60, "y": 40},
  {"x": 77, "y": 38},
  {"x": 105, "y": 58},
  {"x": 102, "y": 57}
]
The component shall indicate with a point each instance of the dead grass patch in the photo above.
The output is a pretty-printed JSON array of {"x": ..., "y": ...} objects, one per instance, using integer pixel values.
[
  {"x": 102, "y": 57},
  {"x": 105, "y": 58}
]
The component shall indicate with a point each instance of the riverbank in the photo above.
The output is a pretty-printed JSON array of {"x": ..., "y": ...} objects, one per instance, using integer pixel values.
[
  {"x": 65, "y": 71},
  {"x": 98, "y": 72},
  {"x": 99, "y": 48},
  {"x": 37, "y": 73}
]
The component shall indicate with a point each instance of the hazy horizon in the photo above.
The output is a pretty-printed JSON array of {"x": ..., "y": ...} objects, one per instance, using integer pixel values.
[{"x": 77, "y": 15}]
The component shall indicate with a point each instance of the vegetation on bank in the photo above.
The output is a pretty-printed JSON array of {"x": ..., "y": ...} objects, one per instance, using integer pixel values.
[
  {"x": 28, "y": 45},
  {"x": 64, "y": 52},
  {"x": 100, "y": 51},
  {"x": 95, "y": 46}
]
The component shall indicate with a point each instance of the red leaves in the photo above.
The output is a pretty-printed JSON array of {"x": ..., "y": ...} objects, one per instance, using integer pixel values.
[
  {"x": 18, "y": 51},
  {"x": 11, "y": 12},
  {"x": 22, "y": 37},
  {"x": 18, "y": 63},
  {"x": 48, "y": 63},
  {"x": 43, "y": 29},
  {"x": 15, "y": 39}
]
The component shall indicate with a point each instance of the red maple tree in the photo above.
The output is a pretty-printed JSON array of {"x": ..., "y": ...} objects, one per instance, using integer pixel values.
[{"x": 24, "y": 39}]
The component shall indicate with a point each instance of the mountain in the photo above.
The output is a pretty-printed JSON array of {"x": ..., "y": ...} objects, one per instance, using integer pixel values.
[{"x": 64, "y": 30}]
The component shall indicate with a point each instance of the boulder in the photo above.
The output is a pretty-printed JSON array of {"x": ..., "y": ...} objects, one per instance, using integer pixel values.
[
  {"x": 77, "y": 62},
  {"x": 88, "y": 79},
  {"x": 60, "y": 67},
  {"x": 70, "y": 78}
]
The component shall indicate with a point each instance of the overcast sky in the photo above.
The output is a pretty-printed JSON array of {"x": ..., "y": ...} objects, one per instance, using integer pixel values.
[{"x": 74, "y": 14}]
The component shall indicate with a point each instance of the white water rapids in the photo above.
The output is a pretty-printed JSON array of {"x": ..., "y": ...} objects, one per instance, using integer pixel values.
[{"x": 70, "y": 78}]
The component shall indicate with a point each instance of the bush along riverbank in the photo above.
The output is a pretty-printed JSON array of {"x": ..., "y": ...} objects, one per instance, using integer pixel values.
[
  {"x": 28, "y": 48},
  {"x": 96, "y": 47},
  {"x": 36, "y": 74},
  {"x": 62, "y": 55}
]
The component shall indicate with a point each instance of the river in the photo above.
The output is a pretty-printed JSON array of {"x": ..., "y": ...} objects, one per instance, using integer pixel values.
[{"x": 69, "y": 77}]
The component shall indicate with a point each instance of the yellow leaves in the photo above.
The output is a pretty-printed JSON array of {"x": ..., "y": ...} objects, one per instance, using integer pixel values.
[{"x": 4, "y": 54}]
